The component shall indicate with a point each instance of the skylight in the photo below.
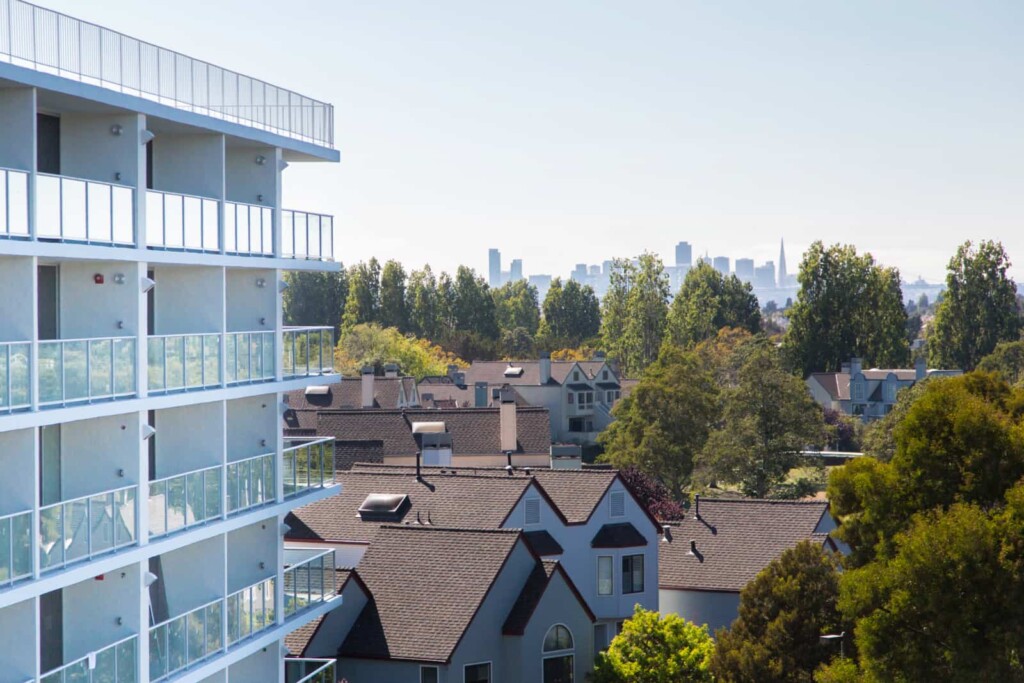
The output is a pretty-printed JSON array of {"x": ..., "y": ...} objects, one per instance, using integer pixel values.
[
  {"x": 384, "y": 507},
  {"x": 513, "y": 371}
]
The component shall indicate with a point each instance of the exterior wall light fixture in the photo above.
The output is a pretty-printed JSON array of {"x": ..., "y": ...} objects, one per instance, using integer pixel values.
[
  {"x": 116, "y": 129},
  {"x": 260, "y": 160}
]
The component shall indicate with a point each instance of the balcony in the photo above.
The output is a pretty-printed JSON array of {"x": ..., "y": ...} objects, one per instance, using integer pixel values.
[
  {"x": 86, "y": 370},
  {"x": 307, "y": 465},
  {"x": 116, "y": 663},
  {"x": 15, "y": 382},
  {"x": 13, "y": 203},
  {"x": 179, "y": 221},
  {"x": 307, "y": 235},
  {"x": 86, "y": 527},
  {"x": 251, "y": 610},
  {"x": 184, "y": 501},
  {"x": 47, "y": 41},
  {"x": 248, "y": 229},
  {"x": 309, "y": 670},
  {"x": 184, "y": 641},
  {"x": 86, "y": 211},
  {"x": 15, "y": 548},
  {"x": 251, "y": 483},
  {"x": 308, "y": 351},
  {"x": 183, "y": 362},
  {"x": 250, "y": 357},
  {"x": 309, "y": 581}
]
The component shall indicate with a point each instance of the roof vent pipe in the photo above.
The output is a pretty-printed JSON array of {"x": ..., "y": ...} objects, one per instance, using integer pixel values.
[
  {"x": 693, "y": 547},
  {"x": 666, "y": 533},
  {"x": 696, "y": 505},
  {"x": 508, "y": 462},
  {"x": 419, "y": 455}
]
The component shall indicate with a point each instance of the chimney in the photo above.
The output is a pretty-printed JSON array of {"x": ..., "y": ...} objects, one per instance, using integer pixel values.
[
  {"x": 507, "y": 417},
  {"x": 855, "y": 367},
  {"x": 391, "y": 370},
  {"x": 845, "y": 368},
  {"x": 545, "y": 367},
  {"x": 479, "y": 394},
  {"x": 367, "y": 378},
  {"x": 920, "y": 369}
]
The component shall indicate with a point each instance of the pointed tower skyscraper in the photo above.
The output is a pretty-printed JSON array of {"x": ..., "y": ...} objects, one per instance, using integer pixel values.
[{"x": 782, "y": 263}]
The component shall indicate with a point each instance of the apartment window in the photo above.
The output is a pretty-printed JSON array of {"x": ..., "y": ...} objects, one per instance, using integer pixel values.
[
  {"x": 533, "y": 510},
  {"x": 633, "y": 574},
  {"x": 478, "y": 673},
  {"x": 558, "y": 655},
  {"x": 617, "y": 503},
  {"x": 604, "y": 575},
  {"x": 428, "y": 674}
]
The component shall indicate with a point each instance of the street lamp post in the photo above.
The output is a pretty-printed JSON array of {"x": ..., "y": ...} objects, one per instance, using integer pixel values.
[{"x": 830, "y": 637}]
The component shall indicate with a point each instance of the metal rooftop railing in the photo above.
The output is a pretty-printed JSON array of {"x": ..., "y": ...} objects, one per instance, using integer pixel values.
[{"x": 51, "y": 42}]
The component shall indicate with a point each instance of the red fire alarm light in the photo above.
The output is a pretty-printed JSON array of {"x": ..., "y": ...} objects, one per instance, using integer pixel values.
[{"x": 98, "y": 278}]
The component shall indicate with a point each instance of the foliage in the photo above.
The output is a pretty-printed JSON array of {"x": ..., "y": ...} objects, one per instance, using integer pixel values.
[
  {"x": 782, "y": 613},
  {"x": 979, "y": 308},
  {"x": 1007, "y": 361},
  {"x": 847, "y": 307},
  {"x": 580, "y": 353},
  {"x": 652, "y": 494},
  {"x": 709, "y": 301},
  {"x": 517, "y": 343},
  {"x": 392, "y": 297},
  {"x": 725, "y": 353},
  {"x": 844, "y": 431},
  {"x": 371, "y": 344},
  {"x": 768, "y": 418},
  {"x": 839, "y": 670},
  {"x": 634, "y": 312},
  {"x": 315, "y": 298},
  {"x": 656, "y": 649},
  {"x": 473, "y": 307},
  {"x": 614, "y": 308},
  {"x": 664, "y": 423},
  {"x": 363, "y": 302},
  {"x": 421, "y": 303},
  {"x": 572, "y": 315},
  {"x": 516, "y": 307},
  {"x": 879, "y": 440}
]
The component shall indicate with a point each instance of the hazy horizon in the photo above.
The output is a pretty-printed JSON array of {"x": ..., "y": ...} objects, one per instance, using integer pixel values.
[{"x": 572, "y": 132}]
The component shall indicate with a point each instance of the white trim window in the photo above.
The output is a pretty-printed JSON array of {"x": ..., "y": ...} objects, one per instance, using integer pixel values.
[
  {"x": 558, "y": 655},
  {"x": 531, "y": 511},
  {"x": 605, "y": 575},
  {"x": 429, "y": 674},
  {"x": 477, "y": 673},
  {"x": 632, "y": 574},
  {"x": 617, "y": 504}
]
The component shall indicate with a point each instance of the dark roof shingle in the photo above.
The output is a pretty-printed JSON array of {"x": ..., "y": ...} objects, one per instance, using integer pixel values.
[{"x": 623, "y": 535}]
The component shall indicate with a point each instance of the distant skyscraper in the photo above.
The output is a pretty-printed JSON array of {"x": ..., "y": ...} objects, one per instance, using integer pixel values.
[
  {"x": 684, "y": 254},
  {"x": 494, "y": 267},
  {"x": 515, "y": 273},
  {"x": 721, "y": 264},
  {"x": 782, "y": 263},
  {"x": 745, "y": 269},
  {"x": 579, "y": 273},
  {"x": 764, "y": 276}
]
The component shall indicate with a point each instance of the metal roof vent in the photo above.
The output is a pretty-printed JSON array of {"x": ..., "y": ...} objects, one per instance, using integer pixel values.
[
  {"x": 513, "y": 371},
  {"x": 384, "y": 507}
]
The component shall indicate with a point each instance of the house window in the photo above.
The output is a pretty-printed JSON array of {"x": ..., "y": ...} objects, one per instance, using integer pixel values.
[
  {"x": 428, "y": 674},
  {"x": 604, "y": 575},
  {"x": 572, "y": 398},
  {"x": 610, "y": 398},
  {"x": 600, "y": 637},
  {"x": 558, "y": 655},
  {"x": 858, "y": 390},
  {"x": 575, "y": 376},
  {"x": 633, "y": 574},
  {"x": 533, "y": 510},
  {"x": 478, "y": 673},
  {"x": 617, "y": 503},
  {"x": 604, "y": 374}
]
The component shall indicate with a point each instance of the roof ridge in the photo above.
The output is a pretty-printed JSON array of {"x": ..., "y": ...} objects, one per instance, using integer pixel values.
[
  {"x": 427, "y": 527},
  {"x": 770, "y": 501}
]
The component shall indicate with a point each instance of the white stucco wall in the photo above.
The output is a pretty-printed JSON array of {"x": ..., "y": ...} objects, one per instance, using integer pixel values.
[
  {"x": 251, "y": 421},
  {"x": 189, "y": 438},
  {"x": 18, "y": 121},
  {"x": 92, "y": 452},
  {"x": 92, "y": 608},
  {"x": 18, "y": 463},
  {"x": 193, "y": 575},
  {"x": 247, "y": 548},
  {"x": 89, "y": 150},
  {"x": 188, "y": 300},
  {"x": 17, "y": 275},
  {"x": 189, "y": 164},
  {"x": 17, "y": 662},
  {"x": 91, "y": 310},
  {"x": 248, "y": 304}
]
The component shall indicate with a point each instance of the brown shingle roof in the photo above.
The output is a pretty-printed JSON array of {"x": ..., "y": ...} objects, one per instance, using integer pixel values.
[
  {"x": 426, "y": 585},
  {"x": 493, "y": 372},
  {"x": 463, "y": 501},
  {"x": 298, "y": 640},
  {"x": 837, "y": 384},
  {"x": 348, "y": 394},
  {"x": 735, "y": 540},
  {"x": 529, "y": 598}
]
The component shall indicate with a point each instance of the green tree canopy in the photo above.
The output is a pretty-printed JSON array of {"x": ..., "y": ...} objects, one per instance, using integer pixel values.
[
  {"x": 783, "y": 612},
  {"x": 421, "y": 303},
  {"x": 572, "y": 314},
  {"x": 709, "y": 301},
  {"x": 363, "y": 302},
  {"x": 472, "y": 306},
  {"x": 979, "y": 308},
  {"x": 1007, "y": 361},
  {"x": 371, "y": 344},
  {"x": 664, "y": 423},
  {"x": 614, "y": 308},
  {"x": 647, "y": 310},
  {"x": 847, "y": 307},
  {"x": 315, "y": 298},
  {"x": 516, "y": 306},
  {"x": 767, "y": 420},
  {"x": 392, "y": 297},
  {"x": 657, "y": 649}
]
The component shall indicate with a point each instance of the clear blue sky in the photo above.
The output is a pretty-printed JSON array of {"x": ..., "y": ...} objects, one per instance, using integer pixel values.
[{"x": 572, "y": 131}]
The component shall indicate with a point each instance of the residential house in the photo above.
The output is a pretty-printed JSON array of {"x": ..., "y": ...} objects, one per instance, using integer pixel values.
[
  {"x": 579, "y": 395},
  {"x": 588, "y": 520},
  {"x": 144, "y": 248},
  {"x": 456, "y": 437},
  {"x": 869, "y": 394},
  {"x": 430, "y": 604},
  {"x": 366, "y": 392},
  {"x": 707, "y": 558}
]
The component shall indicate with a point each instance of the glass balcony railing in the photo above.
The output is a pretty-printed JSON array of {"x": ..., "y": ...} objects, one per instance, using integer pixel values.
[
  {"x": 307, "y": 465},
  {"x": 248, "y": 229},
  {"x": 251, "y": 483},
  {"x": 309, "y": 670},
  {"x": 250, "y": 357},
  {"x": 251, "y": 610},
  {"x": 83, "y": 528},
  {"x": 76, "y": 210},
  {"x": 182, "y": 362},
  {"x": 15, "y": 547},
  {"x": 115, "y": 663},
  {"x": 179, "y": 221},
  {"x": 15, "y": 382},
  {"x": 308, "y": 351},
  {"x": 85, "y": 370},
  {"x": 307, "y": 235},
  {"x": 309, "y": 581},
  {"x": 13, "y": 203},
  {"x": 186, "y": 640},
  {"x": 184, "y": 500}
]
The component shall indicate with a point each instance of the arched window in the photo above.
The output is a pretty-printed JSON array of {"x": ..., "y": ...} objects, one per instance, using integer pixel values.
[{"x": 558, "y": 655}]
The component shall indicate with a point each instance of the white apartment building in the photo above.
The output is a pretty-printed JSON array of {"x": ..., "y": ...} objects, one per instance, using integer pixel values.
[{"x": 143, "y": 247}]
